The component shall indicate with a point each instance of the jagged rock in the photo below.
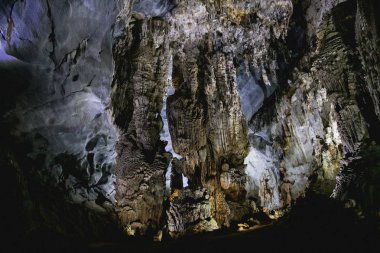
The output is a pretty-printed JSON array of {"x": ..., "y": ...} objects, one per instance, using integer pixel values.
[
  {"x": 205, "y": 120},
  {"x": 141, "y": 73},
  {"x": 357, "y": 182},
  {"x": 317, "y": 123},
  {"x": 232, "y": 182},
  {"x": 232, "y": 107},
  {"x": 190, "y": 212}
]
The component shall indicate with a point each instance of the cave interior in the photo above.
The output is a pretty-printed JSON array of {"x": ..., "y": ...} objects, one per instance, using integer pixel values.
[{"x": 190, "y": 125}]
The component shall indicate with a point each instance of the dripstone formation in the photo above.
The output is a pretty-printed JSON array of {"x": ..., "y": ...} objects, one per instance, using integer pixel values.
[
  {"x": 178, "y": 117},
  {"x": 140, "y": 79}
]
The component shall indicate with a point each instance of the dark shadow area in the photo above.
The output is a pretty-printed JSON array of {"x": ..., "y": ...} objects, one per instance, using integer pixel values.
[
  {"x": 14, "y": 79},
  {"x": 316, "y": 224}
]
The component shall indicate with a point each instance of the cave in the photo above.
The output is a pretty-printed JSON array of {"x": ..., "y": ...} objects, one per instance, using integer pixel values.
[{"x": 190, "y": 125}]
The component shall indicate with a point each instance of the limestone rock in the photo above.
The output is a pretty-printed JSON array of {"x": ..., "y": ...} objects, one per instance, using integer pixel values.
[
  {"x": 187, "y": 116},
  {"x": 316, "y": 125},
  {"x": 56, "y": 69},
  {"x": 190, "y": 212},
  {"x": 141, "y": 73}
]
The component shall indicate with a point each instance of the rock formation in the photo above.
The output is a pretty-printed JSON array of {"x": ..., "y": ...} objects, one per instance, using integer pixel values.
[
  {"x": 187, "y": 116},
  {"x": 139, "y": 84},
  {"x": 56, "y": 120}
]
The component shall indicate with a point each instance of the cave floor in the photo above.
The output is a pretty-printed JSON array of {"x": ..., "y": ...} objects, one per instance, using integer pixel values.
[{"x": 314, "y": 225}]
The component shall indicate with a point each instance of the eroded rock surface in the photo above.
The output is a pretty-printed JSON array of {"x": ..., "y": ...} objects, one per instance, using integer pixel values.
[
  {"x": 57, "y": 120},
  {"x": 207, "y": 126},
  {"x": 318, "y": 124},
  {"x": 190, "y": 212},
  {"x": 141, "y": 78},
  {"x": 188, "y": 116}
]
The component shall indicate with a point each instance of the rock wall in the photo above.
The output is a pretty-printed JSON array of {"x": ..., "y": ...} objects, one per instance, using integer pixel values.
[
  {"x": 317, "y": 126},
  {"x": 141, "y": 56},
  {"x": 357, "y": 182},
  {"x": 56, "y": 71},
  {"x": 187, "y": 116},
  {"x": 207, "y": 126}
]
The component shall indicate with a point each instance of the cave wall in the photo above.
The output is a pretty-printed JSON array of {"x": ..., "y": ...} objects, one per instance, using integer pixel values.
[
  {"x": 207, "y": 126},
  {"x": 187, "y": 116},
  {"x": 357, "y": 182},
  {"x": 291, "y": 86},
  {"x": 139, "y": 85},
  {"x": 325, "y": 118},
  {"x": 56, "y": 124}
]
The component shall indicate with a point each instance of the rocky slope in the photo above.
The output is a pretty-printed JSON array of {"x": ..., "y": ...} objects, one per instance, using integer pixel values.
[{"x": 186, "y": 116}]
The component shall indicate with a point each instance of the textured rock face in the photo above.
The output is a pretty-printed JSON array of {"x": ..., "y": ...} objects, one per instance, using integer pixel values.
[
  {"x": 186, "y": 116},
  {"x": 315, "y": 125},
  {"x": 139, "y": 85},
  {"x": 321, "y": 121},
  {"x": 58, "y": 115},
  {"x": 63, "y": 110},
  {"x": 367, "y": 38},
  {"x": 357, "y": 182},
  {"x": 206, "y": 122},
  {"x": 190, "y": 212},
  {"x": 207, "y": 126}
]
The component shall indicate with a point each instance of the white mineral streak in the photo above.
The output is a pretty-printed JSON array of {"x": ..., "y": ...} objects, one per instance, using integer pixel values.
[
  {"x": 263, "y": 178},
  {"x": 165, "y": 134}
]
